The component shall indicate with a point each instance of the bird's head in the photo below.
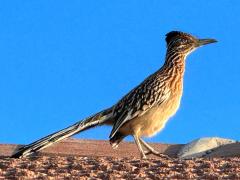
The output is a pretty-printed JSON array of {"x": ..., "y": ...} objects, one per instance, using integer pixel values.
[{"x": 184, "y": 43}]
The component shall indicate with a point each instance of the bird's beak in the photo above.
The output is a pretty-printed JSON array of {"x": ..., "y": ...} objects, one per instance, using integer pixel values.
[{"x": 202, "y": 42}]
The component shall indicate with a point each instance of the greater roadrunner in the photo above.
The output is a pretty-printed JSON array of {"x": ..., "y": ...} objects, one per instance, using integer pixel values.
[{"x": 145, "y": 110}]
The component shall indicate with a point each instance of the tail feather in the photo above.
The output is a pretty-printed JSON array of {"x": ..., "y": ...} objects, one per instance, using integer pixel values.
[{"x": 97, "y": 119}]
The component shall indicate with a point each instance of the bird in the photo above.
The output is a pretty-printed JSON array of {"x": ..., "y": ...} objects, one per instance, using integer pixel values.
[{"x": 143, "y": 111}]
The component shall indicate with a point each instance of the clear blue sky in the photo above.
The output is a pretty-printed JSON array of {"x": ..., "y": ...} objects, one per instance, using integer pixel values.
[{"x": 61, "y": 61}]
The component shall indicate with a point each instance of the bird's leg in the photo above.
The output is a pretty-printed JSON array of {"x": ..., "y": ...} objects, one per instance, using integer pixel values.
[
  {"x": 151, "y": 150},
  {"x": 137, "y": 141}
]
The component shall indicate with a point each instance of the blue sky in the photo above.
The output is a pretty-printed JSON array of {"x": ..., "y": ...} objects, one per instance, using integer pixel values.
[{"x": 62, "y": 61}]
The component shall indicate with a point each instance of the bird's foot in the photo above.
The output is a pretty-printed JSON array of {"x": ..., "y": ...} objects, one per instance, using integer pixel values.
[
  {"x": 144, "y": 157},
  {"x": 156, "y": 153}
]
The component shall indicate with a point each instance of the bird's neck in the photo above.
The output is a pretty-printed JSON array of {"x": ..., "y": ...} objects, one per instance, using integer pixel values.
[{"x": 174, "y": 64}]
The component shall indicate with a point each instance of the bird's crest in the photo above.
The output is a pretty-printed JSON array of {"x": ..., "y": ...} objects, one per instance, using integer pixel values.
[{"x": 173, "y": 34}]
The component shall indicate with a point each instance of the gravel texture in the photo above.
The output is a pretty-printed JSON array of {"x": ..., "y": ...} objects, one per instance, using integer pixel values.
[
  {"x": 75, "y": 167},
  {"x": 96, "y": 160}
]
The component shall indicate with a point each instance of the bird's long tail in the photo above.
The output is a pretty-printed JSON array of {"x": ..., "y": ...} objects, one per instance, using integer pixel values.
[{"x": 97, "y": 119}]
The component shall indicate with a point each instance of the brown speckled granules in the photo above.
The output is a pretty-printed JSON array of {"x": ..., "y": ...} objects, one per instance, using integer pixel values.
[{"x": 70, "y": 167}]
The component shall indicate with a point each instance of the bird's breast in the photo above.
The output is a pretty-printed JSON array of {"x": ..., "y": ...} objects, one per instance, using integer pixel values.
[{"x": 155, "y": 119}]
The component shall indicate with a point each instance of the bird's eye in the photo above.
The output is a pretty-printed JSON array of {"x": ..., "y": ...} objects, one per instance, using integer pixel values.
[{"x": 184, "y": 41}]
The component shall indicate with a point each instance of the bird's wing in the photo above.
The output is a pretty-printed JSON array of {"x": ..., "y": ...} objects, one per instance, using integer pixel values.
[{"x": 137, "y": 102}]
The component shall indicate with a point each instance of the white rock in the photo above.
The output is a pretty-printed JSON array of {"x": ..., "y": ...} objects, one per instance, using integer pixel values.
[{"x": 202, "y": 146}]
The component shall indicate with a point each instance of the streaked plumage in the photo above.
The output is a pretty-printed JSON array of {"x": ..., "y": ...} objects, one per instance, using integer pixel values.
[{"x": 144, "y": 110}]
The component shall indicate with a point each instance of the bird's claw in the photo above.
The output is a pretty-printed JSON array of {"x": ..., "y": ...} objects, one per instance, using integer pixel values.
[{"x": 156, "y": 153}]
